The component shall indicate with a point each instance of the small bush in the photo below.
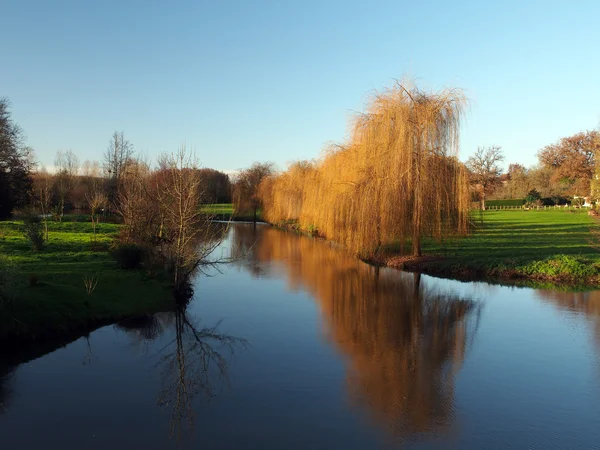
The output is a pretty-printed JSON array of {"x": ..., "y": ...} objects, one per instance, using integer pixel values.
[
  {"x": 33, "y": 229},
  {"x": 563, "y": 266},
  {"x": 90, "y": 283},
  {"x": 128, "y": 256}
]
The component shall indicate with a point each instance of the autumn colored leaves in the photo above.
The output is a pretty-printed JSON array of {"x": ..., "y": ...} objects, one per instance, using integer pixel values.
[{"x": 397, "y": 178}]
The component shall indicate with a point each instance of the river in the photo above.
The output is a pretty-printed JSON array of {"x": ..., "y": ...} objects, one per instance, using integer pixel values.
[{"x": 299, "y": 345}]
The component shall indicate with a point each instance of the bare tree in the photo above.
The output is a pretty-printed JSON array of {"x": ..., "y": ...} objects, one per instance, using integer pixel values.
[
  {"x": 137, "y": 205},
  {"x": 96, "y": 200},
  {"x": 116, "y": 158},
  {"x": 90, "y": 169},
  {"x": 191, "y": 236},
  {"x": 485, "y": 169},
  {"x": 42, "y": 195},
  {"x": 67, "y": 167}
]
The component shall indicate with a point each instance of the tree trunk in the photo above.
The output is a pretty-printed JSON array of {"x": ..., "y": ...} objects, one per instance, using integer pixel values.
[
  {"x": 416, "y": 284},
  {"x": 483, "y": 200},
  {"x": 416, "y": 244},
  {"x": 416, "y": 237}
]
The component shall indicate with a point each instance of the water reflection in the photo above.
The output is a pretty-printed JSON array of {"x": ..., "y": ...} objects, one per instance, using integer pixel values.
[
  {"x": 5, "y": 390},
  {"x": 587, "y": 303},
  {"x": 405, "y": 342},
  {"x": 192, "y": 362}
]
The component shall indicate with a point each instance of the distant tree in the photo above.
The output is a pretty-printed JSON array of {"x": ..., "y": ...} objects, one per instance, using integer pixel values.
[
  {"x": 215, "y": 186},
  {"x": 572, "y": 160},
  {"x": 96, "y": 201},
  {"x": 485, "y": 170},
  {"x": 246, "y": 196},
  {"x": 67, "y": 168},
  {"x": 519, "y": 181},
  {"x": 90, "y": 169},
  {"x": 16, "y": 163},
  {"x": 116, "y": 158},
  {"x": 595, "y": 184},
  {"x": 42, "y": 195}
]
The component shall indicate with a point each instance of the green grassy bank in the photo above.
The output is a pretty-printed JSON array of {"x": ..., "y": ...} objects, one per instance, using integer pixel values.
[
  {"x": 540, "y": 245},
  {"x": 224, "y": 211},
  {"x": 50, "y": 295}
]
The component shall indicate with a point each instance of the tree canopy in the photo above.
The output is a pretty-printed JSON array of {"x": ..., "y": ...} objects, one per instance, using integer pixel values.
[
  {"x": 398, "y": 178},
  {"x": 15, "y": 163},
  {"x": 485, "y": 170},
  {"x": 572, "y": 160}
]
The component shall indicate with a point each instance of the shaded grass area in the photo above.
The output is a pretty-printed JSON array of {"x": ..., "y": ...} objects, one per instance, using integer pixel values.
[
  {"x": 50, "y": 293},
  {"x": 224, "y": 211},
  {"x": 546, "y": 245}
]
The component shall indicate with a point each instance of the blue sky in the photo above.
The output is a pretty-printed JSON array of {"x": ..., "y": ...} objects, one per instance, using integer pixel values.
[{"x": 276, "y": 81}]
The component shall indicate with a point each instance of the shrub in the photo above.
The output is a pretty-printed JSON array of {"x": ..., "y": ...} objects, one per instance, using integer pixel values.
[
  {"x": 33, "y": 229},
  {"x": 533, "y": 199},
  {"x": 90, "y": 283},
  {"x": 558, "y": 200},
  {"x": 562, "y": 266},
  {"x": 128, "y": 256}
]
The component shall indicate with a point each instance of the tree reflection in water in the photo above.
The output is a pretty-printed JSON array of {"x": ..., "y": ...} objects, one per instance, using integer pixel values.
[
  {"x": 193, "y": 362},
  {"x": 405, "y": 342},
  {"x": 587, "y": 303}
]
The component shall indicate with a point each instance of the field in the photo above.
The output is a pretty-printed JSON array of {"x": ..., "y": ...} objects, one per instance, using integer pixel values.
[
  {"x": 224, "y": 211},
  {"x": 51, "y": 295},
  {"x": 551, "y": 245}
]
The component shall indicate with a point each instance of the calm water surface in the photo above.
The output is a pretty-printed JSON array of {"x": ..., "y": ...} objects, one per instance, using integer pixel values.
[{"x": 301, "y": 346}]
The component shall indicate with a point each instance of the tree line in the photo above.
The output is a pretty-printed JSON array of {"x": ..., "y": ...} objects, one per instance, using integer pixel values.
[
  {"x": 76, "y": 185},
  {"x": 567, "y": 170},
  {"x": 159, "y": 205}
]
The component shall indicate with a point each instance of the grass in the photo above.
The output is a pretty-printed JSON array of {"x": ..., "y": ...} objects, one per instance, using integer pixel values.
[
  {"x": 51, "y": 292},
  {"x": 550, "y": 245},
  {"x": 224, "y": 211}
]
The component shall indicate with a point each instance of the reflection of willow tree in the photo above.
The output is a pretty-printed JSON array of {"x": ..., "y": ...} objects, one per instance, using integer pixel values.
[
  {"x": 405, "y": 342},
  {"x": 193, "y": 363}
]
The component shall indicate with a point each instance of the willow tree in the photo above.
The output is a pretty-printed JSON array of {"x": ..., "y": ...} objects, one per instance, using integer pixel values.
[{"x": 397, "y": 178}]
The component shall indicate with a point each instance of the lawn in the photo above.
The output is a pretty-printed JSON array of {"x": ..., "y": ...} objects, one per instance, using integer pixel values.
[
  {"x": 218, "y": 208},
  {"x": 51, "y": 295},
  {"x": 523, "y": 235},
  {"x": 553, "y": 244},
  {"x": 224, "y": 211}
]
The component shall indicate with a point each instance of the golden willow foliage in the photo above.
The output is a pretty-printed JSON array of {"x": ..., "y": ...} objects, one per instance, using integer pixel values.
[{"x": 398, "y": 177}]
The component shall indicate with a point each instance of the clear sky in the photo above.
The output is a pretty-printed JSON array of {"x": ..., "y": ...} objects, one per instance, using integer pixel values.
[{"x": 275, "y": 81}]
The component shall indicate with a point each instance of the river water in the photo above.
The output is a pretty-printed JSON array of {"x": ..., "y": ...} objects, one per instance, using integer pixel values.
[{"x": 298, "y": 345}]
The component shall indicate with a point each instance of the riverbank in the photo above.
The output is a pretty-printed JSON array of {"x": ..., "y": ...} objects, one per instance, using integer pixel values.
[
  {"x": 550, "y": 246},
  {"x": 50, "y": 296},
  {"x": 224, "y": 212}
]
